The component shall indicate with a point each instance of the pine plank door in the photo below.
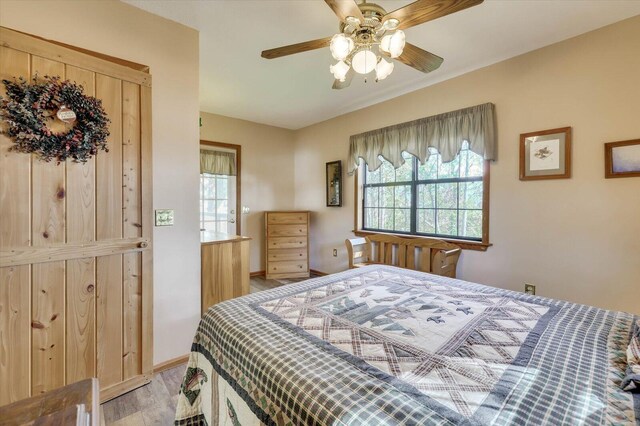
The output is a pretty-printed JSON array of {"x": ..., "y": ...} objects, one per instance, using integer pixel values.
[{"x": 75, "y": 238}]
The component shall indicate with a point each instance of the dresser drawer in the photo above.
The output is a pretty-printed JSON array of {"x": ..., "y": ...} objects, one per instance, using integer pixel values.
[
  {"x": 287, "y": 267},
  {"x": 286, "y": 218},
  {"x": 287, "y": 242},
  {"x": 279, "y": 255},
  {"x": 287, "y": 230}
]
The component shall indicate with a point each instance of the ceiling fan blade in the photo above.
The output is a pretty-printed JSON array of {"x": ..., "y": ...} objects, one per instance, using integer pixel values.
[
  {"x": 422, "y": 11},
  {"x": 419, "y": 59},
  {"x": 344, "y": 8},
  {"x": 296, "y": 48},
  {"x": 337, "y": 84}
]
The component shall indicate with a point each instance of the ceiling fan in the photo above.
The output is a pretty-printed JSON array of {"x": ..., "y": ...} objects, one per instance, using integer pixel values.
[{"x": 368, "y": 35}]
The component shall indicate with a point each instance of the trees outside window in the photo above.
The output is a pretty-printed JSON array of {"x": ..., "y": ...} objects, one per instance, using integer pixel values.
[{"x": 445, "y": 200}]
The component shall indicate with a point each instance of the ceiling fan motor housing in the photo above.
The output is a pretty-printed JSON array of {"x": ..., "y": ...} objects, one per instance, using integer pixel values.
[
  {"x": 372, "y": 14},
  {"x": 372, "y": 9}
]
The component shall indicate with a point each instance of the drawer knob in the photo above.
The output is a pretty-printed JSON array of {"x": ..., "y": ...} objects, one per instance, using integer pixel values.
[
  {"x": 143, "y": 244},
  {"x": 300, "y": 266}
]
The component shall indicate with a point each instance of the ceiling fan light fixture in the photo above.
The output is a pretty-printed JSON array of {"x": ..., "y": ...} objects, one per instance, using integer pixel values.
[
  {"x": 340, "y": 46},
  {"x": 367, "y": 32},
  {"x": 390, "y": 24},
  {"x": 385, "y": 42},
  {"x": 394, "y": 43},
  {"x": 339, "y": 71},
  {"x": 383, "y": 69},
  {"x": 352, "y": 20},
  {"x": 364, "y": 61}
]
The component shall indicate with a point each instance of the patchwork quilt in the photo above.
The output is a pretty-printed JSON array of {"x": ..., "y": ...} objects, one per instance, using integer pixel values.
[{"x": 381, "y": 345}]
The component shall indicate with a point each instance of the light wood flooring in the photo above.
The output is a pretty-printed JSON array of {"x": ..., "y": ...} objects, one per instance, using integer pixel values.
[
  {"x": 261, "y": 283},
  {"x": 155, "y": 403}
]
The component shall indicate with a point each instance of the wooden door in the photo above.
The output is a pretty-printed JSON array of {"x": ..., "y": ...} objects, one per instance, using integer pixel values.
[{"x": 75, "y": 239}]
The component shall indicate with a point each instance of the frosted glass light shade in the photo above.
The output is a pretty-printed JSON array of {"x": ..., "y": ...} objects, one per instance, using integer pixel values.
[
  {"x": 385, "y": 42},
  {"x": 390, "y": 24},
  {"x": 383, "y": 69},
  {"x": 364, "y": 62},
  {"x": 393, "y": 44},
  {"x": 340, "y": 47},
  {"x": 339, "y": 70}
]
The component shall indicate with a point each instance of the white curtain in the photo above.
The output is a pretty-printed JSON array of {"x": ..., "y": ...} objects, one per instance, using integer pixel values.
[
  {"x": 444, "y": 132},
  {"x": 217, "y": 162}
]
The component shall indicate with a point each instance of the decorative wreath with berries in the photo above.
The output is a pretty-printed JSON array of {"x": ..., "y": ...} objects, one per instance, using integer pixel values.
[{"x": 29, "y": 106}]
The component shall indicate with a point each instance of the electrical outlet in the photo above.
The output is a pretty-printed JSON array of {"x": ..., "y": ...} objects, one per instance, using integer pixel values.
[
  {"x": 335, "y": 252},
  {"x": 530, "y": 289}
]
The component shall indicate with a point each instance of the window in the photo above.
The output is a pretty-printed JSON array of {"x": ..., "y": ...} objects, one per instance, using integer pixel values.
[
  {"x": 444, "y": 200},
  {"x": 214, "y": 199}
]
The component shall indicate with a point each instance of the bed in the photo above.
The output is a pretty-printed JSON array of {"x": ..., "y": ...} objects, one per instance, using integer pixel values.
[{"x": 380, "y": 345}]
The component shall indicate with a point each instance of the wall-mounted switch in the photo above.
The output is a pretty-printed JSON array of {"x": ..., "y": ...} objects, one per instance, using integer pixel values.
[
  {"x": 530, "y": 289},
  {"x": 164, "y": 217},
  {"x": 335, "y": 252}
]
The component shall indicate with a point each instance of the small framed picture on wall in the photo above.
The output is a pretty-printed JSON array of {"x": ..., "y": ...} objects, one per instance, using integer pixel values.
[
  {"x": 334, "y": 184},
  {"x": 622, "y": 159},
  {"x": 546, "y": 154}
]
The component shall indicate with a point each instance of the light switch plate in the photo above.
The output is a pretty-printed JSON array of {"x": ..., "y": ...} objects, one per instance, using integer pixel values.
[{"x": 164, "y": 217}]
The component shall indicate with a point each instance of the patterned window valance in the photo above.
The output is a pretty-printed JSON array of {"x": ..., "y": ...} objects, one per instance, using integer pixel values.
[
  {"x": 444, "y": 132},
  {"x": 217, "y": 162}
]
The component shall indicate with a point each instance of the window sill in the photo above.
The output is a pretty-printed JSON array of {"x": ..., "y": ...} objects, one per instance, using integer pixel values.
[{"x": 463, "y": 244}]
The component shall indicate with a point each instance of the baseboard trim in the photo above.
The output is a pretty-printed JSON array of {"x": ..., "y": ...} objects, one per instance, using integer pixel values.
[
  {"x": 166, "y": 365},
  {"x": 121, "y": 388},
  {"x": 319, "y": 273}
]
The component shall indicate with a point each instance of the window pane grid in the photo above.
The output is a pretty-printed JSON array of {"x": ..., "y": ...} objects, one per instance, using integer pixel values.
[
  {"x": 435, "y": 199},
  {"x": 213, "y": 202}
]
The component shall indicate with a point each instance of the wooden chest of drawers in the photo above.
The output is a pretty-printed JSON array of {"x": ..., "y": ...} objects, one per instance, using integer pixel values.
[{"x": 287, "y": 241}]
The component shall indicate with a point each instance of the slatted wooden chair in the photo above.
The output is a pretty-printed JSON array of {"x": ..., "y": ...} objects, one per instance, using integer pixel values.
[
  {"x": 422, "y": 254},
  {"x": 358, "y": 251}
]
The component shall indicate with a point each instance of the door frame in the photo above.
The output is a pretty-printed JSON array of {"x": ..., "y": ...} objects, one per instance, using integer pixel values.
[{"x": 238, "y": 151}]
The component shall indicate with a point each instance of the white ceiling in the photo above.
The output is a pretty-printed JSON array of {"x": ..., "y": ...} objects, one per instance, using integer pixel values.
[{"x": 295, "y": 91}]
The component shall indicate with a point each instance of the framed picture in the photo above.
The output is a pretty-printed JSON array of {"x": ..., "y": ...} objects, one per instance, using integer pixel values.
[
  {"x": 545, "y": 154},
  {"x": 334, "y": 184},
  {"x": 622, "y": 159}
]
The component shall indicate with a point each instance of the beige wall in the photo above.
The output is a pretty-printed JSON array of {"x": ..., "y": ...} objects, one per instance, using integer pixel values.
[
  {"x": 576, "y": 239},
  {"x": 171, "y": 51},
  {"x": 267, "y": 171}
]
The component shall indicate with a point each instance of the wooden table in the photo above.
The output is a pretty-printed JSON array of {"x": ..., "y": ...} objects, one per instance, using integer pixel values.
[{"x": 225, "y": 267}]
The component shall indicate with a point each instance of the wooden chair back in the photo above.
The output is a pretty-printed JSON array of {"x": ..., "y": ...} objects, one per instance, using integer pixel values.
[
  {"x": 358, "y": 252},
  {"x": 422, "y": 254}
]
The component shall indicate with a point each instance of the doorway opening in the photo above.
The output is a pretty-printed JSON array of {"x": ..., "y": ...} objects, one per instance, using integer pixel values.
[{"x": 220, "y": 187}]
